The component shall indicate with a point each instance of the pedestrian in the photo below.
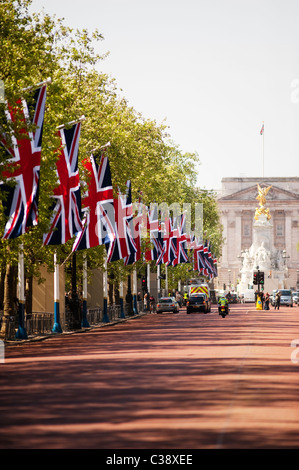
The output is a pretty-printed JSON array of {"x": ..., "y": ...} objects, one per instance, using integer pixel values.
[
  {"x": 178, "y": 298},
  {"x": 152, "y": 303},
  {"x": 145, "y": 302},
  {"x": 267, "y": 300},
  {"x": 277, "y": 300}
]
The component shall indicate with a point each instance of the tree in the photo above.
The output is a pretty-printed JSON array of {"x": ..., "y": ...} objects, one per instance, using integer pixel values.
[{"x": 35, "y": 47}]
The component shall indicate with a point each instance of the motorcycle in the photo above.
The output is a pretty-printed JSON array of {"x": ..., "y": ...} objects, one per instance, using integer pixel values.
[{"x": 223, "y": 310}]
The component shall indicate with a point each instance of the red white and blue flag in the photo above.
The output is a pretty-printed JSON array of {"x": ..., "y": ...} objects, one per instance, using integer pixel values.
[
  {"x": 208, "y": 260},
  {"x": 169, "y": 242},
  {"x": 215, "y": 267},
  {"x": 135, "y": 229},
  {"x": 66, "y": 218},
  {"x": 21, "y": 203},
  {"x": 199, "y": 260},
  {"x": 181, "y": 255},
  {"x": 153, "y": 234},
  {"x": 97, "y": 206},
  {"x": 123, "y": 244}
]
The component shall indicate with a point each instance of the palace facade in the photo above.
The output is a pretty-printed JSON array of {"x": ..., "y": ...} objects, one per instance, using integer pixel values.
[{"x": 237, "y": 204}]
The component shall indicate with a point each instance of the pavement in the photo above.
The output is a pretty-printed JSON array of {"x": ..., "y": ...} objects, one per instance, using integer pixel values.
[{"x": 167, "y": 381}]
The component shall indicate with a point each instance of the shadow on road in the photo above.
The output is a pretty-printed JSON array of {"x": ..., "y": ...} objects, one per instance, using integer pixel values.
[{"x": 162, "y": 381}]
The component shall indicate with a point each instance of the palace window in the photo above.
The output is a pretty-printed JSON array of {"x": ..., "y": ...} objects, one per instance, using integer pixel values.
[
  {"x": 279, "y": 229},
  {"x": 246, "y": 230}
]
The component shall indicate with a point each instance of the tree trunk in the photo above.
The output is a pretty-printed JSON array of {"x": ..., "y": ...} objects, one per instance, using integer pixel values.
[
  {"x": 116, "y": 294},
  {"x": 3, "y": 270},
  {"x": 110, "y": 292},
  {"x": 28, "y": 296},
  {"x": 9, "y": 304}
]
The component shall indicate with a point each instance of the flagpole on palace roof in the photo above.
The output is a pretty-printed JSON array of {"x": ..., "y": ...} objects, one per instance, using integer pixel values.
[{"x": 262, "y": 132}]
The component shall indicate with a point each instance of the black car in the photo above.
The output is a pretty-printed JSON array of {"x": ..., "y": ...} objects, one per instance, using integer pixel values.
[
  {"x": 198, "y": 303},
  {"x": 233, "y": 299}
]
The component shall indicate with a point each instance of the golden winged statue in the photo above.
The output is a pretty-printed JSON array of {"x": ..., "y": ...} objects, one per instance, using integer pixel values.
[{"x": 261, "y": 197}]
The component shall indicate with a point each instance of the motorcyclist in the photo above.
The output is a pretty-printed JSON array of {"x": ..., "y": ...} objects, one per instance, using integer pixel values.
[{"x": 223, "y": 302}]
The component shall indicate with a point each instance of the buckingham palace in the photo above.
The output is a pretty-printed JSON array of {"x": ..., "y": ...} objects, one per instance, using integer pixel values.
[{"x": 237, "y": 204}]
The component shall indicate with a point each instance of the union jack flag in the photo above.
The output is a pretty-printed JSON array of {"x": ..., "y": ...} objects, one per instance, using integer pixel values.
[
  {"x": 136, "y": 224},
  {"x": 199, "y": 260},
  {"x": 21, "y": 205},
  {"x": 215, "y": 267},
  {"x": 207, "y": 257},
  {"x": 169, "y": 242},
  {"x": 123, "y": 244},
  {"x": 97, "y": 206},
  {"x": 181, "y": 255},
  {"x": 66, "y": 218},
  {"x": 158, "y": 247},
  {"x": 153, "y": 234}
]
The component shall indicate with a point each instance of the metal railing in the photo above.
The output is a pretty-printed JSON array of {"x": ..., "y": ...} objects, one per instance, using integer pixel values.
[
  {"x": 7, "y": 327},
  {"x": 41, "y": 323}
]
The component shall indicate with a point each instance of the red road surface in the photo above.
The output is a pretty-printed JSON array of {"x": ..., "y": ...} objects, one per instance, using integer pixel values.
[{"x": 167, "y": 381}]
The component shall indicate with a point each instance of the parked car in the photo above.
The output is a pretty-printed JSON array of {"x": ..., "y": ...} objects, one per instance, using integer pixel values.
[
  {"x": 295, "y": 296},
  {"x": 285, "y": 298},
  {"x": 167, "y": 304},
  {"x": 198, "y": 302}
]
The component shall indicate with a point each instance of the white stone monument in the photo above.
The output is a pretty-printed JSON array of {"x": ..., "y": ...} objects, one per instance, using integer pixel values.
[{"x": 262, "y": 255}]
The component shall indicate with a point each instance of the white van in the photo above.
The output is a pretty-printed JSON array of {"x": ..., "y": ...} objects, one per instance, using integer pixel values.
[
  {"x": 286, "y": 297},
  {"x": 249, "y": 295}
]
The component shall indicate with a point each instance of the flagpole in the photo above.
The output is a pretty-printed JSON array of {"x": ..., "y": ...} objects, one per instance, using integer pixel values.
[
  {"x": 166, "y": 280},
  {"x": 135, "y": 307},
  {"x": 148, "y": 278},
  {"x": 105, "y": 291},
  {"x": 21, "y": 333},
  {"x": 121, "y": 299},
  {"x": 57, "y": 326},
  {"x": 44, "y": 82},
  {"x": 96, "y": 149},
  {"x": 263, "y": 149},
  {"x": 85, "y": 323},
  {"x": 71, "y": 123},
  {"x": 158, "y": 282}
]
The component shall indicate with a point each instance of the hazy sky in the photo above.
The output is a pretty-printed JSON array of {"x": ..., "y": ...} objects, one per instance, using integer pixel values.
[{"x": 215, "y": 69}]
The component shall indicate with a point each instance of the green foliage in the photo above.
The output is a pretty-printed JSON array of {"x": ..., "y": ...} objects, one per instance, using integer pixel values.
[{"x": 34, "y": 47}]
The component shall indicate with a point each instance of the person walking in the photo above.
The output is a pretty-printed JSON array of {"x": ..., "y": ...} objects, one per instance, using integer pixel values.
[
  {"x": 145, "y": 298},
  {"x": 267, "y": 300},
  {"x": 277, "y": 300},
  {"x": 152, "y": 304}
]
